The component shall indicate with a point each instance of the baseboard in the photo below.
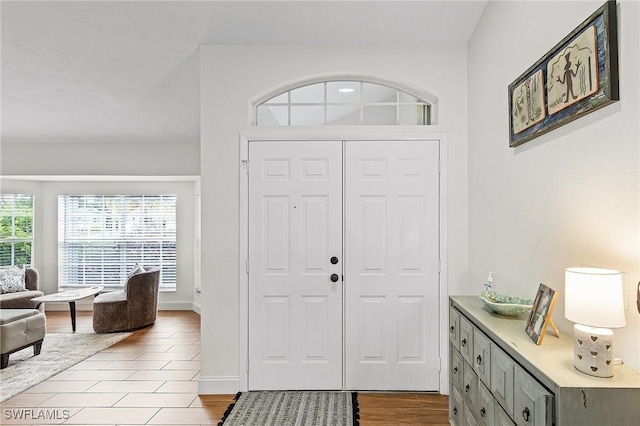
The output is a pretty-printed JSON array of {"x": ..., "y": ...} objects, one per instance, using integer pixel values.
[
  {"x": 196, "y": 307},
  {"x": 175, "y": 306},
  {"x": 221, "y": 385}
]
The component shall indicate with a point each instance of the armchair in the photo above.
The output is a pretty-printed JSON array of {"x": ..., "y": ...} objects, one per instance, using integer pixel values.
[{"x": 134, "y": 307}]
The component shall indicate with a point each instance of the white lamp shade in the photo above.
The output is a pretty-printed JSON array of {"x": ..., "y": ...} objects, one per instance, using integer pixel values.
[{"x": 593, "y": 297}]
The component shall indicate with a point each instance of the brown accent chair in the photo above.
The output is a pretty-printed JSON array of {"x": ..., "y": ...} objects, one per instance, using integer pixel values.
[{"x": 134, "y": 307}]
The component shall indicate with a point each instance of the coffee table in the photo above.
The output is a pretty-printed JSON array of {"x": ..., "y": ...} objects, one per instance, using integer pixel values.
[{"x": 70, "y": 296}]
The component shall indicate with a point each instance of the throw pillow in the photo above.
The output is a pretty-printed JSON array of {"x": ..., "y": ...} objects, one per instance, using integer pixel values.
[
  {"x": 12, "y": 279},
  {"x": 136, "y": 270}
]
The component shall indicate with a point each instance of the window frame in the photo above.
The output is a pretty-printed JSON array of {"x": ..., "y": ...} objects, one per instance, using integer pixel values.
[
  {"x": 113, "y": 238},
  {"x": 284, "y": 99},
  {"x": 13, "y": 240}
]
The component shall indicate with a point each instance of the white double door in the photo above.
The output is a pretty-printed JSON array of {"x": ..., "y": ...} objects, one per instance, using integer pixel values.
[{"x": 343, "y": 265}]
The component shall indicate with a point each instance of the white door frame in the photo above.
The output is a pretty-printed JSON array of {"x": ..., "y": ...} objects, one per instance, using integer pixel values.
[{"x": 353, "y": 133}]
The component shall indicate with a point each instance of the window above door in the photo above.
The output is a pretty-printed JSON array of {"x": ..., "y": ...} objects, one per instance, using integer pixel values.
[{"x": 344, "y": 102}]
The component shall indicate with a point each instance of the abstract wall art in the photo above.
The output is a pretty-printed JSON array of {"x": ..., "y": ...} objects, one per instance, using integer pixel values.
[{"x": 578, "y": 76}]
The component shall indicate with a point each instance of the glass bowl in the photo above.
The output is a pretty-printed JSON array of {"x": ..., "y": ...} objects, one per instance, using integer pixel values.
[{"x": 505, "y": 305}]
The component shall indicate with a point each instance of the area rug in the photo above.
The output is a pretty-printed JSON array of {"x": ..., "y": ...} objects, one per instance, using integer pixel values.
[
  {"x": 59, "y": 352},
  {"x": 293, "y": 408}
]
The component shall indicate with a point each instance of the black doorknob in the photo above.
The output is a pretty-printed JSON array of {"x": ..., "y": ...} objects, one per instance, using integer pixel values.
[
  {"x": 334, "y": 278},
  {"x": 334, "y": 260}
]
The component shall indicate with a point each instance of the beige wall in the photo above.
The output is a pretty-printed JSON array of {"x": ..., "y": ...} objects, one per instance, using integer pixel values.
[{"x": 568, "y": 198}]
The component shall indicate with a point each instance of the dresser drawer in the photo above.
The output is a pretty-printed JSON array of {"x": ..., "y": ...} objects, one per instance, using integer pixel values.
[
  {"x": 485, "y": 406},
  {"x": 502, "y": 378},
  {"x": 456, "y": 368},
  {"x": 482, "y": 356},
  {"x": 456, "y": 407},
  {"x": 469, "y": 420},
  {"x": 501, "y": 417},
  {"x": 469, "y": 385},
  {"x": 532, "y": 402},
  {"x": 466, "y": 340},
  {"x": 454, "y": 328}
]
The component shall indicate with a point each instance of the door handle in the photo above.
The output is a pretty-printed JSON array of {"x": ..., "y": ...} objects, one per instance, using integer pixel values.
[
  {"x": 333, "y": 260},
  {"x": 334, "y": 278}
]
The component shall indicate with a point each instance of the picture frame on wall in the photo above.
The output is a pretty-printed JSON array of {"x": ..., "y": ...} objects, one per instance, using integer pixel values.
[
  {"x": 540, "y": 315},
  {"x": 577, "y": 76}
]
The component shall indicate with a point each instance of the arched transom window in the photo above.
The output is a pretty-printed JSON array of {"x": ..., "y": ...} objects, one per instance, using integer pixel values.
[{"x": 343, "y": 103}]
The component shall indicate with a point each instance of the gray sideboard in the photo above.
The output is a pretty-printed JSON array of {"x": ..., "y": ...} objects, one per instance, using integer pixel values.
[{"x": 498, "y": 376}]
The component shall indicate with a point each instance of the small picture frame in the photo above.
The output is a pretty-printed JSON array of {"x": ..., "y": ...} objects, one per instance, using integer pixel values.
[{"x": 540, "y": 316}]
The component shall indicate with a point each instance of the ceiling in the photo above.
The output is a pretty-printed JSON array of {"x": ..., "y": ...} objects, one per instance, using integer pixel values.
[{"x": 128, "y": 71}]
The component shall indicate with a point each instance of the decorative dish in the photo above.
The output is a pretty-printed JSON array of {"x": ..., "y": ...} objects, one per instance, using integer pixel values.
[{"x": 505, "y": 305}]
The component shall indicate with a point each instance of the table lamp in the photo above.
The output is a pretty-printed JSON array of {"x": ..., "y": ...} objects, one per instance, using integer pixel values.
[{"x": 593, "y": 300}]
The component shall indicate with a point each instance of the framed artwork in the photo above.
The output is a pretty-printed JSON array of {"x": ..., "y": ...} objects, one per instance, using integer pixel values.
[
  {"x": 577, "y": 76},
  {"x": 540, "y": 315}
]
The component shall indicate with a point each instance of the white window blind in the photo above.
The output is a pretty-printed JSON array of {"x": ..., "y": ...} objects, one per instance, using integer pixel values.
[
  {"x": 16, "y": 229},
  {"x": 102, "y": 237}
]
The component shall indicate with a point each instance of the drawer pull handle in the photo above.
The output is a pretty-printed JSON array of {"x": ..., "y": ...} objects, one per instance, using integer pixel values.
[
  {"x": 455, "y": 370},
  {"x": 525, "y": 414},
  {"x": 464, "y": 342},
  {"x": 467, "y": 388},
  {"x": 482, "y": 412},
  {"x": 479, "y": 360}
]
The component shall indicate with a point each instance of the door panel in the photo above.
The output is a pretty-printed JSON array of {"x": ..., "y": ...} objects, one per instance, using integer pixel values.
[
  {"x": 391, "y": 265},
  {"x": 295, "y": 227},
  {"x": 276, "y": 232},
  {"x": 410, "y": 339},
  {"x": 374, "y": 244},
  {"x": 372, "y": 329}
]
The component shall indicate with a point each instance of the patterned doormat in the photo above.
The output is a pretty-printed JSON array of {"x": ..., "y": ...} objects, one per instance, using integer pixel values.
[{"x": 293, "y": 408}]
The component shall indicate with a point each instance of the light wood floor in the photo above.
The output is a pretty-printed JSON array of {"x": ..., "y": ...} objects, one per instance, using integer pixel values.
[{"x": 152, "y": 378}]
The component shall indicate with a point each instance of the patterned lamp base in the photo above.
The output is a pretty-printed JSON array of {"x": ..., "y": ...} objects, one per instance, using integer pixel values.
[{"x": 593, "y": 350}]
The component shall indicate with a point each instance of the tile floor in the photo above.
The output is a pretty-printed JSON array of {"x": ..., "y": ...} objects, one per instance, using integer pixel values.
[{"x": 151, "y": 378}]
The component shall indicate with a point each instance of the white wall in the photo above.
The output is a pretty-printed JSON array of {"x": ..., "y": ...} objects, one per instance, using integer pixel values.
[
  {"x": 230, "y": 77},
  {"x": 115, "y": 158},
  {"x": 568, "y": 198}
]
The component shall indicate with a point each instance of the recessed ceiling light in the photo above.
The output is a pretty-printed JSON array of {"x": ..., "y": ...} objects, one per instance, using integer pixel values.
[{"x": 346, "y": 90}]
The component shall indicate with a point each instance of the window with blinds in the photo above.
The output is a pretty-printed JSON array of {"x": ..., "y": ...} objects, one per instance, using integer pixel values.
[
  {"x": 16, "y": 229},
  {"x": 101, "y": 238}
]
